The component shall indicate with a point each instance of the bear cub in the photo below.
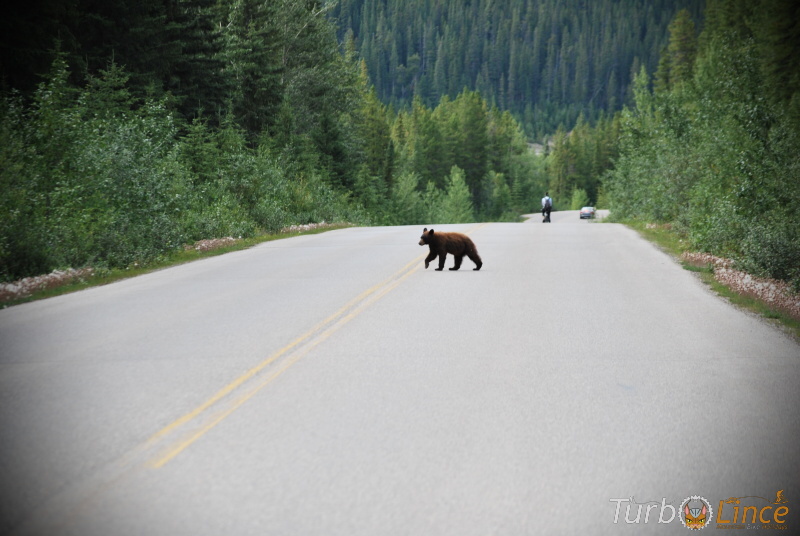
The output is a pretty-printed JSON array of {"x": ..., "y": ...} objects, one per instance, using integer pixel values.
[{"x": 456, "y": 244}]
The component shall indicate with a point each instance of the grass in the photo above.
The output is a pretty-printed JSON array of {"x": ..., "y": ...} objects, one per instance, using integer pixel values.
[
  {"x": 792, "y": 325},
  {"x": 675, "y": 244},
  {"x": 175, "y": 258},
  {"x": 664, "y": 236}
]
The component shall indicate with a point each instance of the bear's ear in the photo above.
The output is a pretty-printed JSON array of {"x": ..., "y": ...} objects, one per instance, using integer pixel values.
[
  {"x": 425, "y": 230},
  {"x": 430, "y": 232}
]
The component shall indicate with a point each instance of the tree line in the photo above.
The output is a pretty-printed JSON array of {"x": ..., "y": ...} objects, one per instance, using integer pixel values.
[
  {"x": 711, "y": 142},
  {"x": 546, "y": 61},
  {"x": 129, "y": 129}
]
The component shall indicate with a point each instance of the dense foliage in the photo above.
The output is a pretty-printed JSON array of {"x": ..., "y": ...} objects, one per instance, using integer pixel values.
[
  {"x": 546, "y": 61},
  {"x": 91, "y": 176},
  {"x": 153, "y": 124},
  {"x": 130, "y": 128},
  {"x": 577, "y": 161},
  {"x": 713, "y": 149}
]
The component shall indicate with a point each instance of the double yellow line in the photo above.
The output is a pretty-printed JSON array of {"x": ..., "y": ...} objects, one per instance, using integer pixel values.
[{"x": 195, "y": 424}]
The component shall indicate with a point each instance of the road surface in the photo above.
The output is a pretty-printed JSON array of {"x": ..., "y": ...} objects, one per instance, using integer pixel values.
[{"x": 330, "y": 385}]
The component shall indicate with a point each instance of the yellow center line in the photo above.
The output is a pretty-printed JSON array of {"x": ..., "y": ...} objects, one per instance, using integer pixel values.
[
  {"x": 258, "y": 368},
  {"x": 236, "y": 404},
  {"x": 315, "y": 336}
]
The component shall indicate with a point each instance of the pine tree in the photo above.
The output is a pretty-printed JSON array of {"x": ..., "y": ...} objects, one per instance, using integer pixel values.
[
  {"x": 253, "y": 62},
  {"x": 682, "y": 49},
  {"x": 457, "y": 203},
  {"x": 376, "y": 135},
  {"x": 558, "y": 59},
  {"x": 472, "y": 142},
  {"x": 661, "y": 82},
  {"x": 194, "y": 72},
  {"x": 428, "y": 154},
  {"x": 406, "y": 200},
  {"x": 777, "y": 23}
]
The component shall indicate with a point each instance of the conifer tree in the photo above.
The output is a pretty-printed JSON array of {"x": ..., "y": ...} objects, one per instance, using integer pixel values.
[
  {"x": 682, "y": 49},
  {"x": 472, "y": 142},
  {"x": 661, "y": 82},
  {"x": 558, "y": 59},
  {"x": 253, "y": 63},
  {"x": 457, "y": 203},
  {"x": 194, "y": 72},
  {"x": 777, "y": 22}
]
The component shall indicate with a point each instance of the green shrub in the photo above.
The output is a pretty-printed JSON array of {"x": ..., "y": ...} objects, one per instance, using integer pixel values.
[
  {"x": 772, "y": 249},
  {"x": 579, "y": 199}
]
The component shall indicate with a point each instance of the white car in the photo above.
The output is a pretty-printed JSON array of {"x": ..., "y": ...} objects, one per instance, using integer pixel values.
[{"x": 587, "y": 212}]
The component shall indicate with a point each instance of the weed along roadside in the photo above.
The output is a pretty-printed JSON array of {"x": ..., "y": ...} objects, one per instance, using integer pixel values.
[
  {"x": 772, "y": 299},
  {"x": 69, "y": 280}
]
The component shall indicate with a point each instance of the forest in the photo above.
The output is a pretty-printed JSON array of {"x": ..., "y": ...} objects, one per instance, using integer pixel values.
[
  {"x": 128, "y": 129},
  {"x": 545, "y": 61},
  {"x": 710, "y": 145}
]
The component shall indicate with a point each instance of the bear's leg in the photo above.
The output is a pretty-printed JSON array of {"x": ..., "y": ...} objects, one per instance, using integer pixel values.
[
  {"x": 458, "y": 259},
  {"x": 432, "y": 255},
  {"x": 474, "y": 257},
  {"x": 442, "y": 256}
]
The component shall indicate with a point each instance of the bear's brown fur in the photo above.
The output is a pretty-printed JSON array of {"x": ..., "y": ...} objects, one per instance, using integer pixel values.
[{"x": 456, "y": 244}]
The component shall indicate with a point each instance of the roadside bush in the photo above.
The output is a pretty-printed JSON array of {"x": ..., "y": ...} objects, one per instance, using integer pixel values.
[
  {"x": 579, "y": 199},
  {"x": 716, "y": 159},
  {"x": 772, "y": 249},
  {"x": 92, "y": 177}
]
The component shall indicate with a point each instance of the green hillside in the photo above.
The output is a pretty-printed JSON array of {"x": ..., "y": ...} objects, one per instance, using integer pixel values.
[
  {"x": 546, "y": 61},
  {"x": 128, "y": 129}
]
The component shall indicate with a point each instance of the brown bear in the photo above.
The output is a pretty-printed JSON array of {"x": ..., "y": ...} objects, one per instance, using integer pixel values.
[{"x": 456, "y": 244}]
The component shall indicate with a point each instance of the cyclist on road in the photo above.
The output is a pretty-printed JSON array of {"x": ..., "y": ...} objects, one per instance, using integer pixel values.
[{"x": 547, "y": 206}]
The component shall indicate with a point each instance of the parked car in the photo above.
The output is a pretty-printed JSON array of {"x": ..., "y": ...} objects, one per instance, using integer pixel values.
[{"x": 587, "y": 212}]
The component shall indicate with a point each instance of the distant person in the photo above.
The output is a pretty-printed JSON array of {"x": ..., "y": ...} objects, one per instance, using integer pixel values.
[{"x": 547, "y": 206}]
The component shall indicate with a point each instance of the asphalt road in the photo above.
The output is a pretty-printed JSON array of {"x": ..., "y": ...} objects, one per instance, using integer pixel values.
[{"x": 330, "y": 385}]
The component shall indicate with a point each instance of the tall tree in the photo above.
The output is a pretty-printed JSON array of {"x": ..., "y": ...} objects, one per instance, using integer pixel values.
[
  {"x": 194, "y": 70},
  {"x": 253, "y": 61},
  {"x": 457, "y": 203},
  {"x": 682, "y": 49},
  {"x": 472, "y": 142},
  {"x": 777, "y": 23}
]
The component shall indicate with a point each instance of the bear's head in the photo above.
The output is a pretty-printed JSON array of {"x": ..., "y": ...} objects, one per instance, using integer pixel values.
[{"x": 425, "y": 239}]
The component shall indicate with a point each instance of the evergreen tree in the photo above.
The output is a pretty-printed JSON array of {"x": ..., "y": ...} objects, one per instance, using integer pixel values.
[
  {"x": 432, "y": 205},
  {"x": 561, "y": 60},
  {"x": 777, "y": 23},
  {"x": 457, "y": 202},
  {"x": 194, "y": 72},
  {"x": 717, "y": 158},
  {"x": 472, "y": 142},
  {"x": 252, "y": 60},
  {"x": 428, "y": 155},
  {"x": 661, "y": 82},
  {"x": 682, "y": 49},
  {"x": 406, "y": 200}
]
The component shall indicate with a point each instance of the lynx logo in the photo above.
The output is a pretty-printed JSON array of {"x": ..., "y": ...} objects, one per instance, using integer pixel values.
[{"x": 695, "y": 512}]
